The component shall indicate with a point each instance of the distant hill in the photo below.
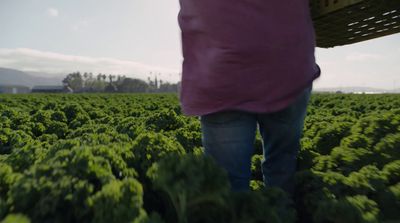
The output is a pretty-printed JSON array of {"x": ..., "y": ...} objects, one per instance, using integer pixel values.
[
  {"x": 16, "y": 77},
  {"x": 356, "y": 89}
]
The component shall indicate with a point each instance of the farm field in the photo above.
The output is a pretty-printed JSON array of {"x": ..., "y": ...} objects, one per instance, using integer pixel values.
[{"x": 136, "y": 158}]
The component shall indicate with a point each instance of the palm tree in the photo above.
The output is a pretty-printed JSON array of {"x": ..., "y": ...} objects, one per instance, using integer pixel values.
[{"x": 111, "y": 77}]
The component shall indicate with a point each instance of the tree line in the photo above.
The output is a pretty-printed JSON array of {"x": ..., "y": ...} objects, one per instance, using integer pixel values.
[{"x": 88, "y": 82}]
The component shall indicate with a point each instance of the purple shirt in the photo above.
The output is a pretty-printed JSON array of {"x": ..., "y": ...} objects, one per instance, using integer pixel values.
[{"x": 249, "y": 55}]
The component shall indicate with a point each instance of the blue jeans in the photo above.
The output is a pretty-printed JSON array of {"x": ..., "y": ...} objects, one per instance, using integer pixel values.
[{"x": 229, "y": 137}]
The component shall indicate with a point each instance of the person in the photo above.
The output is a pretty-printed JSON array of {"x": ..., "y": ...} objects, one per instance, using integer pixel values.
[{"x": 248, "y": 65}]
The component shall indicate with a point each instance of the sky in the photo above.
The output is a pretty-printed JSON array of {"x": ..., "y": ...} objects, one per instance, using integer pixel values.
[{"x": 139, "y": 37}]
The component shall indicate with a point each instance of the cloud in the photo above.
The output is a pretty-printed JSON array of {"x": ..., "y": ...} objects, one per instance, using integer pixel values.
[
  {"x": 49, "y": 62},
  {"x": 53, "y": 12},
  {"x": 362, "y": 57},
  {"x": 81, "y": 24},
  {"x": 325, "y": 63}
]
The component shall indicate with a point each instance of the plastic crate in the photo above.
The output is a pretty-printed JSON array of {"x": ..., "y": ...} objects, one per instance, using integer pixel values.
[{"x": 342, "y": 22}]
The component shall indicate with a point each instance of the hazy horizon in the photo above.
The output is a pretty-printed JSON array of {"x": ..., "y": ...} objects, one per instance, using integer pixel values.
[{"x": 137, "y": 37}]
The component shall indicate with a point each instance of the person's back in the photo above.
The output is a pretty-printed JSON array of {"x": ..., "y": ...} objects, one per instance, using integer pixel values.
[
  {"x": 248, "y": 63},
  {"x": 253, "y": 55}
]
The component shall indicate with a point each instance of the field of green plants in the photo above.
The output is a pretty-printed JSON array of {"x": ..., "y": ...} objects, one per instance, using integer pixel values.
[{"x": 135, "y": 158}]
